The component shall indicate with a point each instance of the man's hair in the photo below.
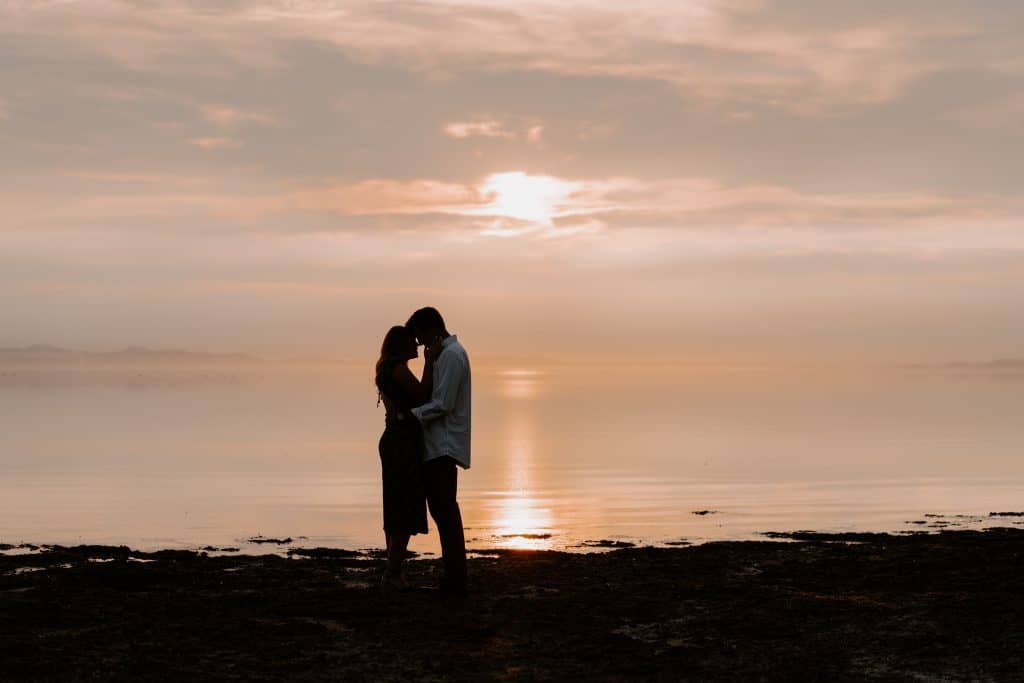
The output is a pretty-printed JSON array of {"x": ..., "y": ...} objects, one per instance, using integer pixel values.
[{"x": 425, "y": 318}]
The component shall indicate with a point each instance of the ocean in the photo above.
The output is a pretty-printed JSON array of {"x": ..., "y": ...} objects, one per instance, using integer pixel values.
[{"x": 563, "y": 458}]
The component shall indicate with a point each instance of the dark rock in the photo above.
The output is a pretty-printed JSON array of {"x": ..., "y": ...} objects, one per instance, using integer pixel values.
[{"x": 326, "y": 553}]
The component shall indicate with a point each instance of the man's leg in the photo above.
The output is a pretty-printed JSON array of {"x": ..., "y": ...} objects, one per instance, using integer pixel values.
[{"x": 441, "y": 475}]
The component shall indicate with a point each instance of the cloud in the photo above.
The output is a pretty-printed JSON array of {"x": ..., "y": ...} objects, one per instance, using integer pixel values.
[
  {"x": 382, "y": 196},
  {"x": 215, "y": 143},
  {"x": 492, "y": 128},
  {"x": 807, "y": 59},
  {"x": 516, "y": 203},
  {"x": 485, "y": 129},
  {"x": 668, "y": 114},
  {"x": 1002, "y": 112},
  {"x": 702, "y": 201},
  {"x": 709, "y": 88},
  {"x": 3, "y": 111},
  {"x": 229, "y": 116},
  {"x": 509, "y": 204},
  {"x": 114, "y": 178}
]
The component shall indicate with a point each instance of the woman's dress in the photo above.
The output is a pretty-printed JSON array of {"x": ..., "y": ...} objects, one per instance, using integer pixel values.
[{"x": 401, "y": 459}]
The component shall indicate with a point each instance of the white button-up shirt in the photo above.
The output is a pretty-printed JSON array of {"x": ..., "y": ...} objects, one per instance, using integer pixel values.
[{"x": 446, "y": 416}]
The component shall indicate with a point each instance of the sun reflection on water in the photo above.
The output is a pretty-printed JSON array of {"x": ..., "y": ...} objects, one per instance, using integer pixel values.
[
  {"x": 520, "y": 384},
  {"x": 519, "y": 519},
  {"x": 522, "y": 523}
]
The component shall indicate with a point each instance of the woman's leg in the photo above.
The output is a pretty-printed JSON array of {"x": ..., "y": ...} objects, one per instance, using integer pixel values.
[{"x": 397, "y": 545}]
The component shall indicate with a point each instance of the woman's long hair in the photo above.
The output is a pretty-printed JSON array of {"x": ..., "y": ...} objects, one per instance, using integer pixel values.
[{"x": 396, "y": 343}]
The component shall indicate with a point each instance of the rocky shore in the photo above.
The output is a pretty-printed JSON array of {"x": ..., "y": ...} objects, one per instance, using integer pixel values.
[{"x": 946, "y": 606}]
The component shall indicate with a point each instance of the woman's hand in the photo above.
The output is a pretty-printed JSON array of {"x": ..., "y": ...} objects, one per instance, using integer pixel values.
[{"x": 430, "y": 353}]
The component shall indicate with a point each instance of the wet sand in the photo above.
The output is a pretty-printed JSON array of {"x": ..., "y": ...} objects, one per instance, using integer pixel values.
[{"x": 831, "y": 607}]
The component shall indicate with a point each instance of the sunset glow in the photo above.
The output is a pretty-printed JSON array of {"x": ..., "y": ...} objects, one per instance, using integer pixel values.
[{"x": 732, "y": 181}]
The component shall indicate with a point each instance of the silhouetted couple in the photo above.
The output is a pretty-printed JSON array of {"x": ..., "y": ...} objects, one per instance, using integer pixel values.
[{"x": 426, "y": 438}]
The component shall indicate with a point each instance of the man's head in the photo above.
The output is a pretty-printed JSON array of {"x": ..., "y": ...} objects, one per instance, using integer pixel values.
[{"x": 426, "y": 324}]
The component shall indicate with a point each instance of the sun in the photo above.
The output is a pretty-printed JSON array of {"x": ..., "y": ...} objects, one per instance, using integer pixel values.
[{"x": 532, "y": 198}]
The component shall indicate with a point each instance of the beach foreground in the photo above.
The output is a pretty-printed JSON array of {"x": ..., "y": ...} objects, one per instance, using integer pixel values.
[{"x": 854, "y": 606}]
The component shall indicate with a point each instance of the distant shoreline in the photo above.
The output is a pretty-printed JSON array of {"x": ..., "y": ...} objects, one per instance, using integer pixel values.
[{"x": 52, "y": 357}]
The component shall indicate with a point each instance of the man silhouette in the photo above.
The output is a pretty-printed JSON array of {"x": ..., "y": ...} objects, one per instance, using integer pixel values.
[{"x": 446, "y": 433}]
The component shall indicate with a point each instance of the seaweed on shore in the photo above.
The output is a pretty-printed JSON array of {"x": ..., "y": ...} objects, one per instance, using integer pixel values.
[
  {"x": 605, "y": 543},
  {"x": 326, "y": 553},
  {"x": 262, "y": 539}
]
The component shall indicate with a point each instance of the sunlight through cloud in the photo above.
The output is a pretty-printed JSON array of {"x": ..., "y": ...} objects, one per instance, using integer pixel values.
[
  {"x": 533, "y": 198},
  {"x": 486, "y": 129}
]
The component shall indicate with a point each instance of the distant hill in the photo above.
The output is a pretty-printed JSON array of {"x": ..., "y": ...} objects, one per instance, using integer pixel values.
[
  {"x": 996, "y": 365},
  {"x": 44, "y": 354}
]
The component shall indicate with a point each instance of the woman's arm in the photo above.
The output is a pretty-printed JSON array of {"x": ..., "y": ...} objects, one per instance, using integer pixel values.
[
  {"x": 419, "y": 390},
  {"x": 427, "y": 382}
]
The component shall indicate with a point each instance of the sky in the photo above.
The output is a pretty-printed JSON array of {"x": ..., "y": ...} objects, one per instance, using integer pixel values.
[{"x": 705, "y": 181}]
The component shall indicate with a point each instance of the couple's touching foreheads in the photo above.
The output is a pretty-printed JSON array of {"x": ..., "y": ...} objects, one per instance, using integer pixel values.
[{"x": 426, "y": 439}]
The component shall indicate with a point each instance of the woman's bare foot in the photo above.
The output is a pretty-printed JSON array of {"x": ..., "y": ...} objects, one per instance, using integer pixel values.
[{"x": 394, "y": 581}]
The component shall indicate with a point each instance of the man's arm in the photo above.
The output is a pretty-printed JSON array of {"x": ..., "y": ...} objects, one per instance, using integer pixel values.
[{"x": 446, "y": 389}]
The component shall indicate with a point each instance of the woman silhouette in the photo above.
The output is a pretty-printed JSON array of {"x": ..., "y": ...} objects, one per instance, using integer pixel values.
[{"x": 401, "y": 446}]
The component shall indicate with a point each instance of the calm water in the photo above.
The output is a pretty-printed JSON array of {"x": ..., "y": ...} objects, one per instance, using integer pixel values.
[{"x": 188, "y": 458}]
